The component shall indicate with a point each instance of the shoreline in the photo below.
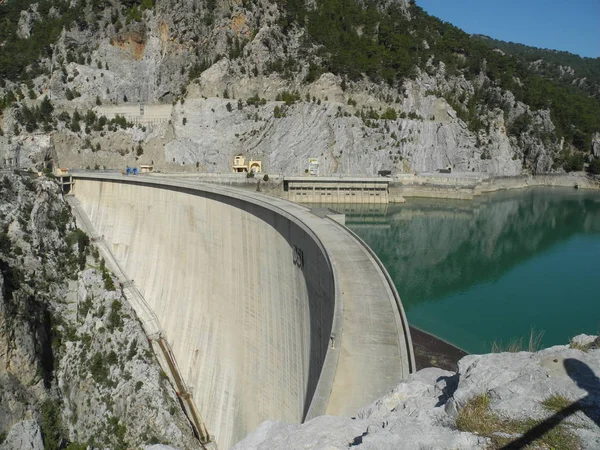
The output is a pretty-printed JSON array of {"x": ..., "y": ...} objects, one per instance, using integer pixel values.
[
  {"x": 431, "y": 351},
  {"x": 465, "y": 186},
  {"x": 457, "y": 185}
]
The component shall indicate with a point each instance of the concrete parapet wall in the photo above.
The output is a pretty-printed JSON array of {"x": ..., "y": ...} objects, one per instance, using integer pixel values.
[{"x": 245, "y": 296}]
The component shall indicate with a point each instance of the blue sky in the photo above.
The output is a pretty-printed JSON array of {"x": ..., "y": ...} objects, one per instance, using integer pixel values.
[{"x": 573, "y": 26}]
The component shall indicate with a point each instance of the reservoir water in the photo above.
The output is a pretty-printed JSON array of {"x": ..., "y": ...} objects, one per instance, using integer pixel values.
[{"x": 495, "y": 268}]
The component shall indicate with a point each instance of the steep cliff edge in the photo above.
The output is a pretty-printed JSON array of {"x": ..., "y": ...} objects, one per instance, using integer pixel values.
[
  {"x": 549, "y": 399},
  {"x": 75, "y": 365}
]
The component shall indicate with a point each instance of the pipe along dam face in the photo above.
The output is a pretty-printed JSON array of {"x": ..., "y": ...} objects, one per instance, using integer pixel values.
[{"x": 271, "y": 311}]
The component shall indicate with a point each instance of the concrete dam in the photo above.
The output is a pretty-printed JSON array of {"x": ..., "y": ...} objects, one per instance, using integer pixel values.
[{"x": 272, "y": 310}]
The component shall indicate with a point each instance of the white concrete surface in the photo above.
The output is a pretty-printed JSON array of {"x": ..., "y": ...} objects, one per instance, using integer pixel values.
[
  {"x": 153, "y": 114},
  {"x": 249, "y": 327}
]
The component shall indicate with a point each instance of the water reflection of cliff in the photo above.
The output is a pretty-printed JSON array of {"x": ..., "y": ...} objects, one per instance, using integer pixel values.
[{"x": 433, "y": 248}]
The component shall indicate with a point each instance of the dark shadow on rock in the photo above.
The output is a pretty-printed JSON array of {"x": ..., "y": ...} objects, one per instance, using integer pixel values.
[
  {"x": 449, "y": 390},
  {"x": 358, "y": 439},
  {"x": 585, "y": 379}
]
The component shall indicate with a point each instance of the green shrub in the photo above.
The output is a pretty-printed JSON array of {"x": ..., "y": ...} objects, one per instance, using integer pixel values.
[
  {"x": 389, "y": 114},
  {"x": 109, "y": 285},
  {"x": 83, "y": 241},
  {"x": 118, "y": 431},
  {"x": 98, "y": 368},
  {"x": 256, "y": 101},
  {"x": 288, "y": 97},
  {"x": 51, "y": 425},
  {"x": 5, "y": 243},
  {"x": 112, "y": 358},
  {"x": 519, "y": 125},
  {"x": 594, "y": 167},
  {"x": 76, "y": 446},
  {"x": 114, "y": 318},
  {"x": 574, "y": 162},
  {"x": 85, "y": 306},
  {"x": 132, "y": 350}
]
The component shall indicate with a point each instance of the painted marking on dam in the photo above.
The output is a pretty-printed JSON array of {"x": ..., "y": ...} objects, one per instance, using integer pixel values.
[{"x": 271, "y": 311}]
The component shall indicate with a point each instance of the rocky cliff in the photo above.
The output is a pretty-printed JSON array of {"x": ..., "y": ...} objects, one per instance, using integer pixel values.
[
  {"x": 548, "y": 399},
  {"x": 75, "y": 365},
  {"x": 260, "y": 78}
]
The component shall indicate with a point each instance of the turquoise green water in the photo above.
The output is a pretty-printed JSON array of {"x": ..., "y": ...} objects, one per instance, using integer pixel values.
[{"x": 493, "y": 269}]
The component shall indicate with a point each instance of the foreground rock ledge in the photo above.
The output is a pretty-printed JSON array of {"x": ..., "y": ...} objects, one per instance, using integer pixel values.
[{"x": 422, "y": 412}]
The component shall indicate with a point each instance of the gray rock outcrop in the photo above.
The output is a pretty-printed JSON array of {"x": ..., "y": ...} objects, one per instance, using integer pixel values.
[
  {"x": 27, "y": 20},
  {"x": 596, "y": 145},
  {"x": 75, "y": 364},
  {"x": 24, "y": 435},
  {"x": 423, "y": 412},
  {"x": 202, "y": 54}
]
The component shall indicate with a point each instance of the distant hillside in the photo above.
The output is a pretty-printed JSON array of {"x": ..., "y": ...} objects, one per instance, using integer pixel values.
[
  {"x": 382, "y": 83},
  {"x": 554, "y": 63}
]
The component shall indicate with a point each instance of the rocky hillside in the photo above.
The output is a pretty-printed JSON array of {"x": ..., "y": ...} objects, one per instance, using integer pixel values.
[
  {"x": 548, "y": 399},
  {"x": 76, "y": 368},
  {"x": 361, "y": 85}
]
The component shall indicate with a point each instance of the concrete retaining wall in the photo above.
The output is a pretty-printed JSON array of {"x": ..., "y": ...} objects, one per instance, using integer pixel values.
[
  {"x": 248, "y": 322},
  {"x": 465, "y": 186}
]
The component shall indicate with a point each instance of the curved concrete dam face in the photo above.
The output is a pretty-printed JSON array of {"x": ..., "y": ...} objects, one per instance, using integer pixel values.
[{"x": 249, "y": 297}]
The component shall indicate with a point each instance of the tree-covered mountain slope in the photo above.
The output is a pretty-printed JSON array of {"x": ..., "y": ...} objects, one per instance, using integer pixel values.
[
  {"x": 554, "y": 64},
  {"x": 362, "y": 85}
]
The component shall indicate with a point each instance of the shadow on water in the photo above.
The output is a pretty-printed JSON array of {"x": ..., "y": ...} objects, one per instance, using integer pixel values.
[
  {"x": 433, "y": 248},
  {"x": 585, "y": 379}
]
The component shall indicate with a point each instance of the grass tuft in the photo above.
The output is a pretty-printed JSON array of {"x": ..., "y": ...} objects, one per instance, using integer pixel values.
[
  {"x": 476, "y": 417},
  {"x": 533, "y": 344},
  {"x": 587, "y": 347},
  {"x": 556, "y": 403}
]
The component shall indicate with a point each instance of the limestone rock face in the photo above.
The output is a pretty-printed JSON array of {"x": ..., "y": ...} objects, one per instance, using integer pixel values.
[
  {"x": 518, "y": 383},
  {"x": 26, "y": 21},
  {"x": 596, "y": 145},
  {"x": 421, "y": 412},
  {"x": 24, "y": 435},
  {"x": 75, "y": 364},
  {"x": 209, "y": 132},
  {"x": 183, "y": 50}
]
